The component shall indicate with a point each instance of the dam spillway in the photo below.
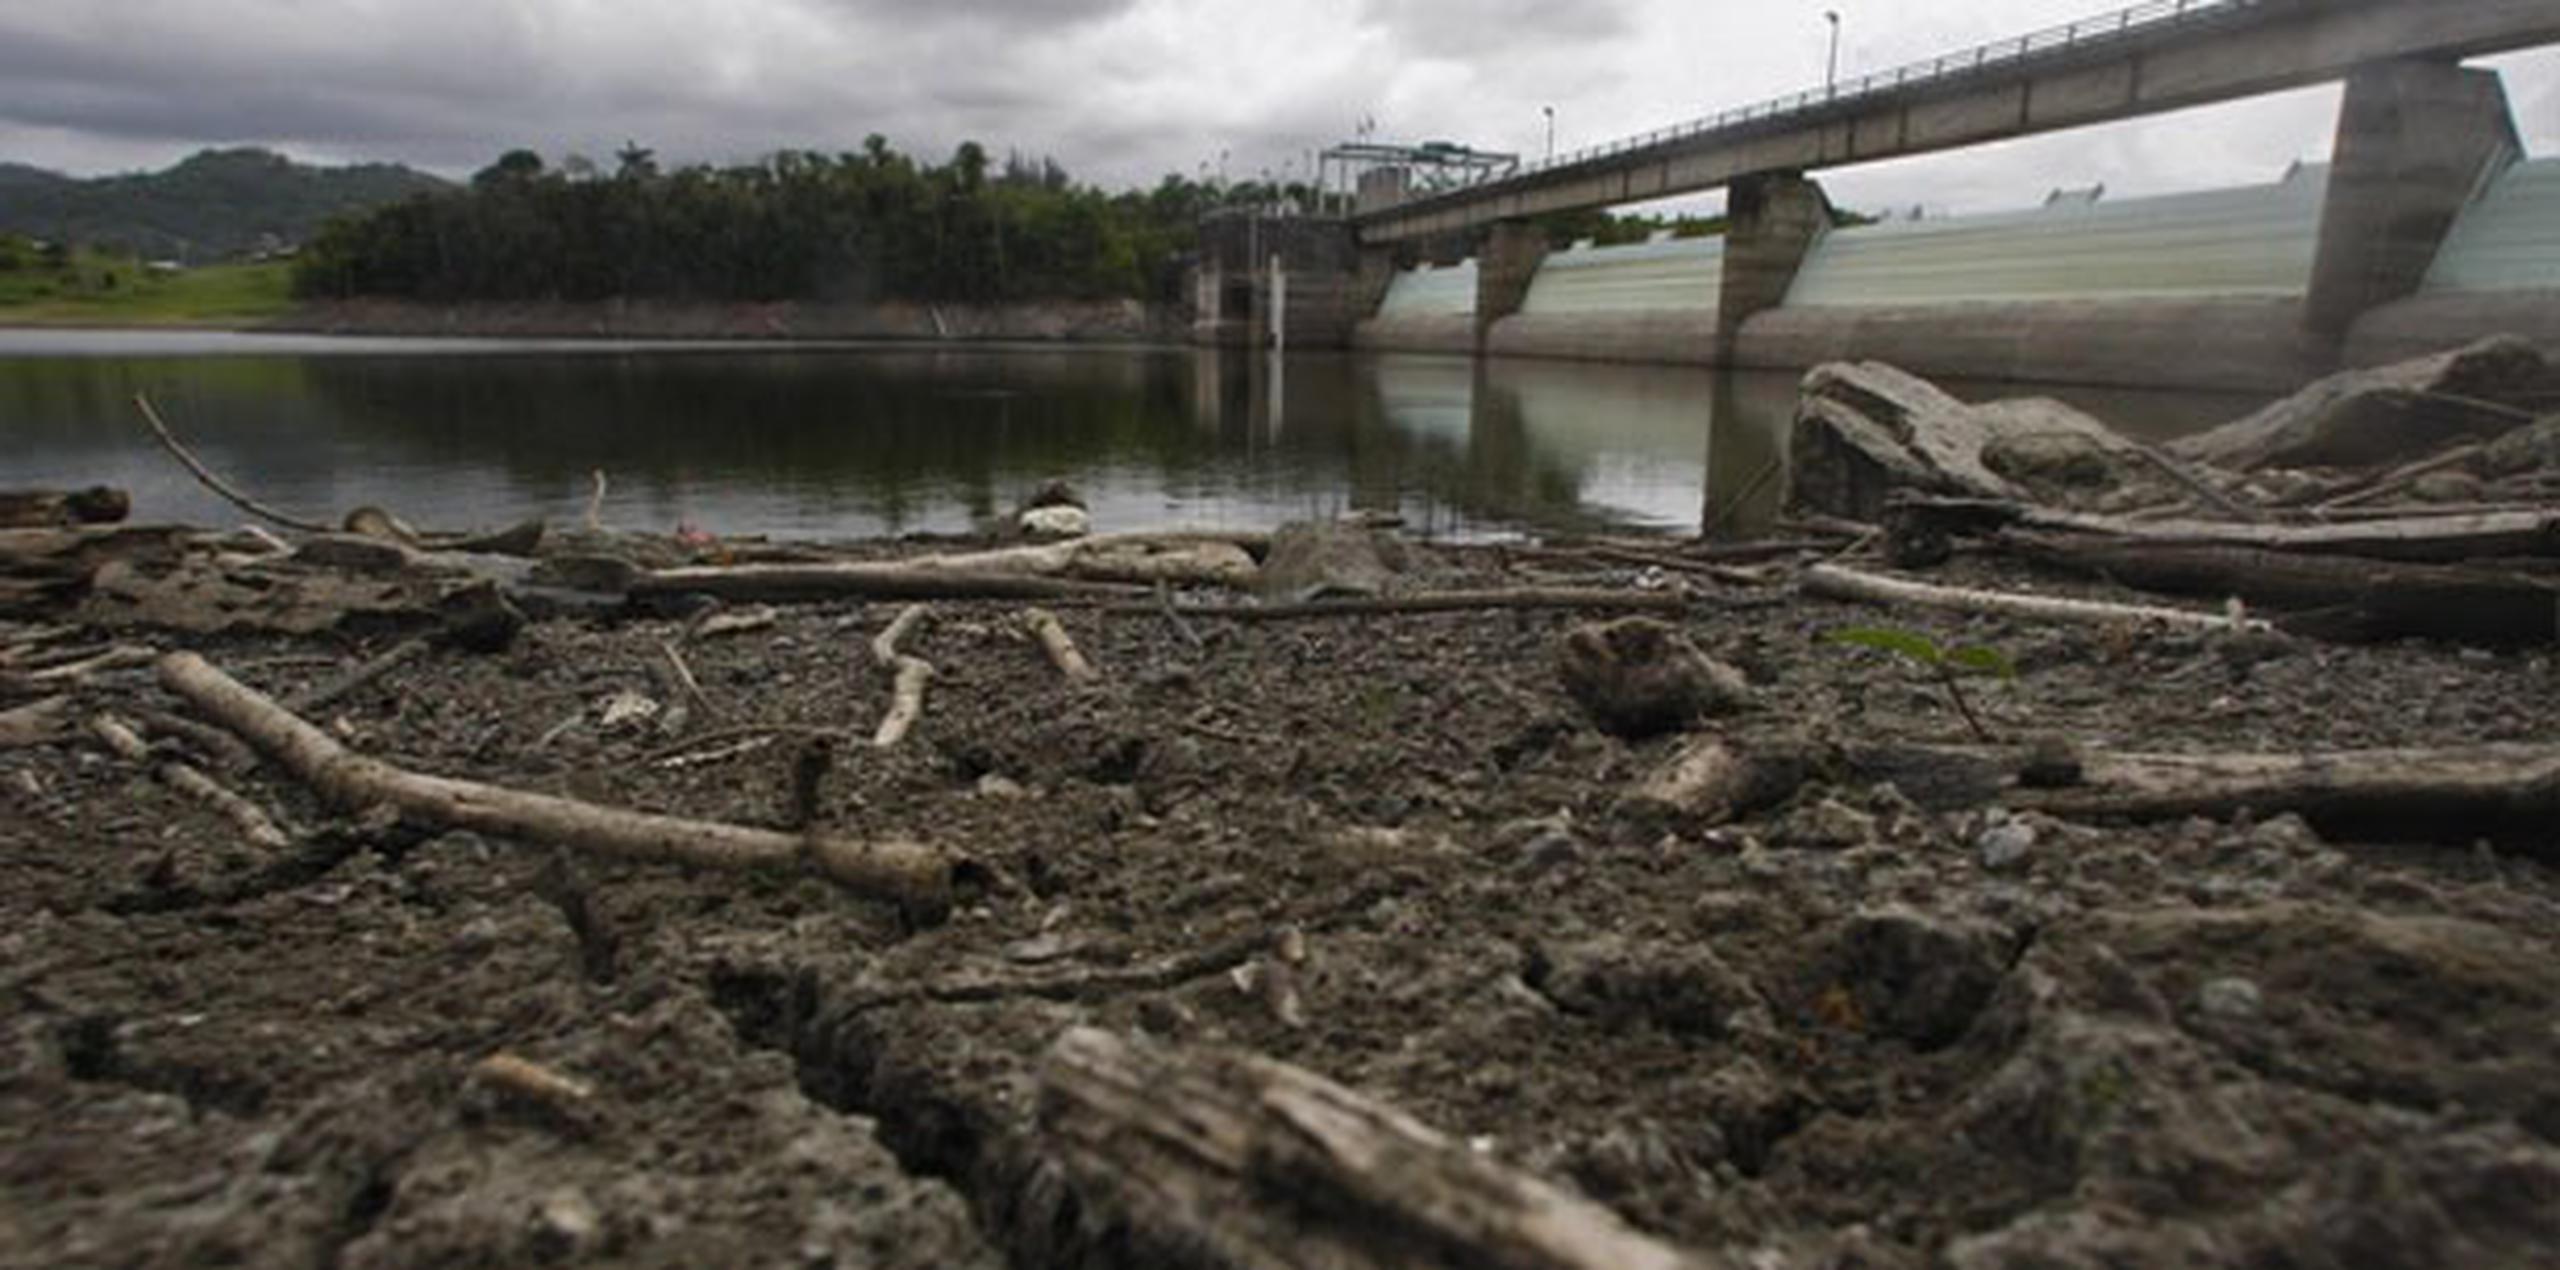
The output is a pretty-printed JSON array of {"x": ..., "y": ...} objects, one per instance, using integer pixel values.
[{"x": 2205, "y": 289}]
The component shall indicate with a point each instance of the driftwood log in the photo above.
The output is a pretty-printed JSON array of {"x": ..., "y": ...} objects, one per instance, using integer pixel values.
[
  {"x": 1837, "y": 583},
  {"x": 1235, "y": 1159},
  {"x": 47, "y": 509},
  {"x": 916, "y": 876},
  {"x": 1594, "y": 600},
  {"x": 1104, "y": 564},
  {"x": 1059, "y": 646},
  {"x": 909, "y": 675},
  {"x": 2334, "y": 597},
  {"x": 2417, "y": 539},
  {"x": 2453, "y": 795}
]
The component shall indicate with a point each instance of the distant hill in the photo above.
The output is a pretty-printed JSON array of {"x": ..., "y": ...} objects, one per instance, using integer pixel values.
[{"x": 214, "y": 206}]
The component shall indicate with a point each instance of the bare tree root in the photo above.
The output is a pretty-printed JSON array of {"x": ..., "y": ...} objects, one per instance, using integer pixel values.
[{"x": 916, "y": 876}]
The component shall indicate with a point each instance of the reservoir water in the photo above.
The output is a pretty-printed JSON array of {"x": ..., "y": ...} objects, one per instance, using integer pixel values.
[{"x": 840, "y": 441}]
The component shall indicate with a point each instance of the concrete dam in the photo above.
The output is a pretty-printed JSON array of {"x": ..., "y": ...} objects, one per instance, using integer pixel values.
[
  {"x": 2429, "y": 225},
  {"x": 2205, "y": 289}
]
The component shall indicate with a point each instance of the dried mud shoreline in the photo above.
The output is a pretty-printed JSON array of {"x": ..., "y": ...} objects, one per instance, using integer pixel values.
[{"x": 1840, "y": 1031}]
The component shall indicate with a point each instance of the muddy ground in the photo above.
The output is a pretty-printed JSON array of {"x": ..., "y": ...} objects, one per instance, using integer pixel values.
[{"x": 1843, "y": 1032}]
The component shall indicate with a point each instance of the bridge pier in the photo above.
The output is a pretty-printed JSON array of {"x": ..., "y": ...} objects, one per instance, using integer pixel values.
[
  {"x": 1771, "y": 220},
  {"x": 2417, "y": 139},
  {"x": 1505, "y": 265}
]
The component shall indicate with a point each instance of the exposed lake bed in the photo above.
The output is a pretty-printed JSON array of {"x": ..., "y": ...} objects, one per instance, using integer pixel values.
[{"x": 1888, "y": 1001}]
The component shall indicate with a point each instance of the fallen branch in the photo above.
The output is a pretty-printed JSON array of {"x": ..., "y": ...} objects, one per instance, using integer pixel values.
[
  {"x": 911, "y": 874},
  {"x": 1061, "y": 647},
  {"x": 1833, "y": 582},
  {"x": 2454, "y": 795},
  {"x": 1172, "y": 615},
  {"x": 78, "y": 670},
  {"x": 1238, "y": 1159},
  {"x": 906, "y": 701},
  {"x": 1588, "y": 600},
  {"x": 1074, "y": 567},
  {"x": 205, "y": 476},
  {"x": 680, "y": 678},
  {"x": 398, "y": 655},
  {"x": 253, "y": 823}
]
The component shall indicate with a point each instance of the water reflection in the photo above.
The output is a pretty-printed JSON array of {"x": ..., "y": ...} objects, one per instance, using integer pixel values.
[{"x": 849, "y": 441}]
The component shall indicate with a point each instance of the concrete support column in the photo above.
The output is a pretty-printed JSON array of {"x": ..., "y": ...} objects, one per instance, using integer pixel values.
[
  {"x": 1375, "y": 272},
  {"x": 1505, "y": 265},
  {"x": 1771, "y": 221},
  {"x": 2416, "y": 140}
]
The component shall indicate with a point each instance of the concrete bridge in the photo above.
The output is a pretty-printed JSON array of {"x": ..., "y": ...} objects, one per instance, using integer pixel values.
[{"x": 2418, "y": 135}]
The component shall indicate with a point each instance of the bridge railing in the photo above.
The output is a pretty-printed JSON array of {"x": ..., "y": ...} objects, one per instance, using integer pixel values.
[{"x": 2147, "y": 18}]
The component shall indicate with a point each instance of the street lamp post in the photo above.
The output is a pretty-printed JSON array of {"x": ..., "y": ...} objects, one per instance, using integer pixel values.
[
  {"x": 1551, "y": 133},
  {"x": 1831, "y": 66}
]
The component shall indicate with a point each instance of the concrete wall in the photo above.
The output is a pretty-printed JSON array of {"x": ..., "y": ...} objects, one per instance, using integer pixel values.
[
  {"x": 1668, "y": 336},
  {"x": 2416, "y": 141},
  {"x": 2240, "y": 344}
]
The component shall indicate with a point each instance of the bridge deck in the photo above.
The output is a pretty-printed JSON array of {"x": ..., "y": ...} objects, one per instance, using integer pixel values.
[{"x": 2155, "y": 56}]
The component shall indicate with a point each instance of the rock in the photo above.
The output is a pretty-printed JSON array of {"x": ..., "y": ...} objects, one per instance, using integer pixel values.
[
  {"x": 2447, "y": 487},
  {"x": 625, "y": 709},
  {"x": 1826, "y": 824},
  {"x": 566, "y": 1225},
  {"x": 355, "y": 553},
  {"x": 2385, "y": 414},
  {"x": 1920, "y": 978},
  {"x": 1313, "y": 559},
  {"x": 1055, "y": 522},
  {"x": 611, "y": 575},
  {"x": 2005, "y": 845},
  {"x": 1865, "y": 429},
  {"x": 998, "y": 785},
  {"x": 1055, "y": 510},
  {"x": 2232, "y": 999},
  {"x": 478, "y": 618},
  {"x": 1618, "y": 982},
  {"x": 1638, "y": 676},
  {"x": 2532, "y": 448},
  {"x": 1552, "y": 849}
]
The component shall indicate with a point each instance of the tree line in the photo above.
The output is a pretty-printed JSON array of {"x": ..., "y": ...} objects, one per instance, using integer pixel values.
[
  {"x": 800, "y": 225},
  {"x": 796, "y": 225}
]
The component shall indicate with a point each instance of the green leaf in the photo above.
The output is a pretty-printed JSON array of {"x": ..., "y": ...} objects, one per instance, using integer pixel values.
[
  {"x": 1911, "y": 644},
  {"x": 1982, "y": 661}
]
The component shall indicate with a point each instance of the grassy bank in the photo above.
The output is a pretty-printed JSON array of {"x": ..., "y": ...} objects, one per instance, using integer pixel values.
[{"x": 99, "y": 290}]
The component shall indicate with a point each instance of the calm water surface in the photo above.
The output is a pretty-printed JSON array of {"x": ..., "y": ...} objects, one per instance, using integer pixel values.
[{"x": 855, "y": 440}]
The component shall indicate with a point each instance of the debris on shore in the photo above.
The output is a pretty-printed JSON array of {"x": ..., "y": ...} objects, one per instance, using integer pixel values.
[{"x": 2166, "y": 877}]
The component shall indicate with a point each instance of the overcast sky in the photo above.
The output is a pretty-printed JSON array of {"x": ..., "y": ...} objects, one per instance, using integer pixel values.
[{"x": 1119, "y": 91}]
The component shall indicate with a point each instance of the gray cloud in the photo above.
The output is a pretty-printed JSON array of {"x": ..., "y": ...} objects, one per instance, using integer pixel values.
[{"x": 1120, "y": 91}]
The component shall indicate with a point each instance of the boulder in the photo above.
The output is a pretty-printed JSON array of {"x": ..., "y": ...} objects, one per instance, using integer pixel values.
[
  {"x": 1638, "y": 677},
  {"x": 2384, "y": 414},
  {"x": 1864, "y": 430},
  {"x": 1311, "y": 560}
]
